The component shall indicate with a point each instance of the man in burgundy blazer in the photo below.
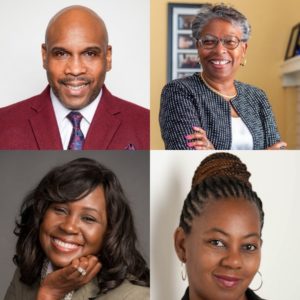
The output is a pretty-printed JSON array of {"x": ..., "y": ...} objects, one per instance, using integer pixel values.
[
  {"x": 76, "y": 57},
  {"x": 31, "y": 125}
]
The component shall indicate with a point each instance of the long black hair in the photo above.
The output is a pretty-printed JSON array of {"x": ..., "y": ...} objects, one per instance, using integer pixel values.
[{"x": 73, "y": 181}]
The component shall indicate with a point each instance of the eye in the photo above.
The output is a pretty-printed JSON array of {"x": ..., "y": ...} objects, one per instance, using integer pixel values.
[
  {"x": 88, "y": 219},
  {"x": 231, "y": 41},
  {"x": 91, "y": 53},
  {"x": 217, "y": 243},
  {"x": 249, "y": 247},
  {"x": 60, "y": 210},
  {"x": 208, "y": 42},
  {"x": 60, "y": 53}
]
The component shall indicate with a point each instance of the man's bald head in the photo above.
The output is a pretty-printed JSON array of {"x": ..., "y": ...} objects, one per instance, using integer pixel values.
[{"x": 75, "y": 15}]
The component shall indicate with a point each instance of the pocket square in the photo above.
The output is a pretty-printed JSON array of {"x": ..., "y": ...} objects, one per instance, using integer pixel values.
[{"x": 130, "y": 147}]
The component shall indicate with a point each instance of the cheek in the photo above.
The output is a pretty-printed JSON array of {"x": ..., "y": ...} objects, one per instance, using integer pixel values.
[
  {"x": 200, "y": 261},
  {"x": 95, "y": 237},
  {"x": 252, "y": 265}
]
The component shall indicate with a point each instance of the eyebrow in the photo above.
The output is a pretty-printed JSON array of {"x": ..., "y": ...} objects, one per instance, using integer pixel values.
[
  {"x": 92, "y": 48},
  {"x": 219, "y": 230},
  {"x": 91, "y": 209}
]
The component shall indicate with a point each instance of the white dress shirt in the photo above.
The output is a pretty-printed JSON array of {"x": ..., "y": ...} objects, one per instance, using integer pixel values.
[
  {"x": 241, "y": 137},
  {"x": 64, "y": 124}
]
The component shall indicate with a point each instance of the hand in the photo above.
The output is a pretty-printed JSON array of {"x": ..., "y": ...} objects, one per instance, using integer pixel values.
[
  {"x": 278, "y": 146},
  {"x": 67, "y": 279},
  {"x": 198, "y": 140}
]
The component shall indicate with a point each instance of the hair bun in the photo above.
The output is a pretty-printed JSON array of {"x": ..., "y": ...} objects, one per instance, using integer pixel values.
[{"x": 221, "y": 164}]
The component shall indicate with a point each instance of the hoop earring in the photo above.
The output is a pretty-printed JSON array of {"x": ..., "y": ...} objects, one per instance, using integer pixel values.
[
  {"x": 261, "y": 282},
  {"x": 243, "y": 64},
  {"x": 183, "y": 271}
]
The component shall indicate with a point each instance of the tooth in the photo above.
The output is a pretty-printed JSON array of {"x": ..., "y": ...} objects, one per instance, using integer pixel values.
[{"x": 65, "y": 245}]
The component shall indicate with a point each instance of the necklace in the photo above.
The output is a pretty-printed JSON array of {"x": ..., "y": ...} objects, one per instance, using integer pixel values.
[{"x": 214, "y": 90}]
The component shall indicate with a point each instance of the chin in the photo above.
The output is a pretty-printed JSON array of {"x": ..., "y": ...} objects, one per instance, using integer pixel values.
[{"x": 60, "y": 263}]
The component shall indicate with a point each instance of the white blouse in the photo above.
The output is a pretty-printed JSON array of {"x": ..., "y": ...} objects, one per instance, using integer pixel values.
[{"x": 241, "y": 136}]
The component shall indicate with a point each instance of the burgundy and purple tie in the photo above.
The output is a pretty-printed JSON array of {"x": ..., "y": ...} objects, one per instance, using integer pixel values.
[{"x": 77, "y": 137}]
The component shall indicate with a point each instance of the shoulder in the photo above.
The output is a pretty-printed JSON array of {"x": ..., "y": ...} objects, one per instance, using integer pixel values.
[
  {"x": 19, "y": 290},
  {"x": 187, "y": 83},
  {"x": 24, "y": 107},
  {"x": 127, "y": 291},
  {"x": 252, "y": 296},
  {"x": 249, "y": 90},
  {"x": 117, "y": 104}
]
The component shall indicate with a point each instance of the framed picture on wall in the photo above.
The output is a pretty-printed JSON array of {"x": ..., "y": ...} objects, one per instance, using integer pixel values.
[
  {"x": 182, "y": 53},
  {"x": 293, "y": 48}
]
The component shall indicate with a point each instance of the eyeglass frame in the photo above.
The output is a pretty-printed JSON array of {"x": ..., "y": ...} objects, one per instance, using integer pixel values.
[{"x": 199, "y": 40}]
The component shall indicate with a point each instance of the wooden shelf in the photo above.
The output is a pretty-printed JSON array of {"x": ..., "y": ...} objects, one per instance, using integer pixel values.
[{"x": 290, "y": 71}]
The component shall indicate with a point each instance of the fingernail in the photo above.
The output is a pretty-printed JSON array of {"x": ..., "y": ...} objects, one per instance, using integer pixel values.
[
  {"x": 196, "y": 128},
  {"x": 187, "y": 137},
  {"x": 190, "y": 144}
]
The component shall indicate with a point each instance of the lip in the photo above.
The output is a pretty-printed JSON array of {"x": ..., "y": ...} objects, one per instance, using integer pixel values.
[
  {"x": 78, "y": 89},
  {"x": 226, "y": 281},
  {"x": 64, "y": 245}
]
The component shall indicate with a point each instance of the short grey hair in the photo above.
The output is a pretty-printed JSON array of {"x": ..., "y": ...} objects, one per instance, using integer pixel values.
[{"x": 209, "y": 12}]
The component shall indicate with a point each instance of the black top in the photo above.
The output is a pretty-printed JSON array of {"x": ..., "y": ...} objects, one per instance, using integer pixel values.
[{"x": 249, "y": 293}]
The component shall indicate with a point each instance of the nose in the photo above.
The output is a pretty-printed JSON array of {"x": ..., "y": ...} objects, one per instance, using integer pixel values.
[
  {"x": 75, "y": 66},
  {"x": 220, "y": 48},
  {"x": 69, "y": 225},
  {"x": 232, "y": 259}
]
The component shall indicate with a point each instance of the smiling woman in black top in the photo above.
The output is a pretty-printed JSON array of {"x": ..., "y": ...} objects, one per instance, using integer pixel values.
[{"x": 219, "y": 234}]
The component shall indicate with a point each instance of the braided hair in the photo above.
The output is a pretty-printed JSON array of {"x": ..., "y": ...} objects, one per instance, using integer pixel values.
[{"x": 219, "y": 176}]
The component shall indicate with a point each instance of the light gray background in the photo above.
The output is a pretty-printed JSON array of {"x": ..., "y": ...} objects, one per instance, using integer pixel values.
[
  {"x": 22, "y": 30},
  {"x": 275, "y": 178},
  {"x": 21, "y": 171}
]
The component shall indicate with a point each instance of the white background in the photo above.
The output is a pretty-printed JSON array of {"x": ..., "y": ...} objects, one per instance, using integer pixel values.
[
  {"x": 275, "y": 178},
  {"x": 22, "y": 29}
]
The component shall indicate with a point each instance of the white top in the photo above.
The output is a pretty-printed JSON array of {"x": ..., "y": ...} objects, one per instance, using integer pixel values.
[
  {"x": 64, "y": 124},
  {"x": 241, "y": 136}
]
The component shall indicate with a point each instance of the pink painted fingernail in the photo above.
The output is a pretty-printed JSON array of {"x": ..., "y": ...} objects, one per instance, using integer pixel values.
[
  {"x": 190, "y": 144},
  {"x": 187, "y": 137}
]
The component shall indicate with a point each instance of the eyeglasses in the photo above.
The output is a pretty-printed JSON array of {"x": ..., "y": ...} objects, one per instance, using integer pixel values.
[{"x": 210, "y": 41}]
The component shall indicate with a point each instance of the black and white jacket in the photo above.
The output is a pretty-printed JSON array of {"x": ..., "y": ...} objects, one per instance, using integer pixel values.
[{"x": 188, "y": 102}]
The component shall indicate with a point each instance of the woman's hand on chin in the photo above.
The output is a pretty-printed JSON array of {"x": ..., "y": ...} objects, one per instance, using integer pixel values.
[
  {"x": 278, "y": 146},
  {"x": 64, "y": 280},
  {"x": 198, "y": 140}
]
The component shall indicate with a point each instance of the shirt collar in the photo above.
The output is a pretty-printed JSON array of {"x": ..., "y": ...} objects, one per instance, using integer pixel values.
[{"x": 61, "y": 111}]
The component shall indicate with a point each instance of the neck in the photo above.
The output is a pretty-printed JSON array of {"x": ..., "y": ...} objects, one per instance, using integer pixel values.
[{"x": 225, "y": 88}]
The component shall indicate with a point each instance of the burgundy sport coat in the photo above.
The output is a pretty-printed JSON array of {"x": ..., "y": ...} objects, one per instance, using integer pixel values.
[{"x": 31, "y": 125}]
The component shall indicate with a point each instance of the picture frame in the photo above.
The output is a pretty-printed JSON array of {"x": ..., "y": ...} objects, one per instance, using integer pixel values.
[
  {"x": 293, "y": 48},
  {"x": 182, "y": 52}
]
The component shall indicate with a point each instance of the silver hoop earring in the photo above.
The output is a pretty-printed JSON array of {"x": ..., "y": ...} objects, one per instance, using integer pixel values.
[
  {"x": 261, "y": 282},
  {"x": 183, "y": 271}
]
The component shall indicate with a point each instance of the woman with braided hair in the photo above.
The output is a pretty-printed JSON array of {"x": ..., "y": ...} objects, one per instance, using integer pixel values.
[{"x": 219, "y": 234}]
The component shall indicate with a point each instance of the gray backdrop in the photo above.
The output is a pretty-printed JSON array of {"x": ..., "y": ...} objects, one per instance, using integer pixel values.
[{"x": 20, "y": 171}]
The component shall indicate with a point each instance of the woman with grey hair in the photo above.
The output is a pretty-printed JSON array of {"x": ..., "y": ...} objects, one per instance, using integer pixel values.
[{"x": 210, "y": 109}]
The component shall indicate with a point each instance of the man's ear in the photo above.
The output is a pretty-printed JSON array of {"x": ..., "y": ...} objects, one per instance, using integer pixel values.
[
  {"x": 44, "y": 55},
  {"x": 179, "y": 243},
  {"x": 108, "y": 58}
]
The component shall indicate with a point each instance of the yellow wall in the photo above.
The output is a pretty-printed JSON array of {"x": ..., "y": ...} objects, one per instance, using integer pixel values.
[{"x": 272, "y": 21}]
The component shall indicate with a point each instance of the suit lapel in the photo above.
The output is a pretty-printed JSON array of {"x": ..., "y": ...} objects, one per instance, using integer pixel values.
[
  {"x": 43, "y": 123},
  {"x": 105, "y": 123}
]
